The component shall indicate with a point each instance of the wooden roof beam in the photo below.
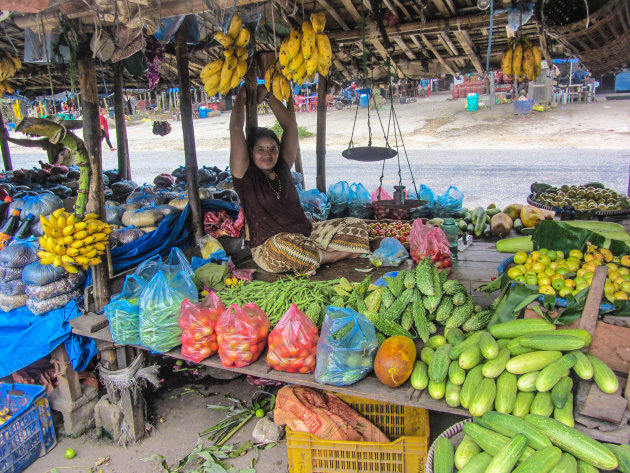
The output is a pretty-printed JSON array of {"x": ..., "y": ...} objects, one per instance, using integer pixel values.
[
  {"x": 419, "y": 45},
  {"x": 339, "y": 65},
  {"x": 405, "y": 48},
  {"x": 437, "y": 55},
  {"x": 332, "y": 12},
  {"x": 469, "y": 47},
  {"x": 402, "y": 8},
  {"x": 383, "y": 52},
  {"x": 439, "y": 4},
  {"x": 354, "y": 13}
]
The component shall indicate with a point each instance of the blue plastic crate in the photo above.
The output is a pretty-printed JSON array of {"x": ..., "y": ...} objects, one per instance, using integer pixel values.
[
  {"x": 523, "y": 107},
  {"x": 29, "y": 433}
]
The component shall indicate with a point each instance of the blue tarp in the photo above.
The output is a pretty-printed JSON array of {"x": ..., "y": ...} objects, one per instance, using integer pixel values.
[{"x": 25, "y": 338}]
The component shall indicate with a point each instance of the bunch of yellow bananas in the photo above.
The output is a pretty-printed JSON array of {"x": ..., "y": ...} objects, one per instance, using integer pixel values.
[
  {"x": 225, "y": 73},
  {"x": 71, "y": 243},
  {"x": 277, "y": 83},
  {"x": 5, "y": 415},
  {"x": 521, "y": 59},
  {"x": 9, "y": 64},
  {"x": 305, "y": 52}
]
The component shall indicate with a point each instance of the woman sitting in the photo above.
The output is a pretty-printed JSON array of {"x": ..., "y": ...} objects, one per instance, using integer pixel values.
[{"x": 281, "y": 237}]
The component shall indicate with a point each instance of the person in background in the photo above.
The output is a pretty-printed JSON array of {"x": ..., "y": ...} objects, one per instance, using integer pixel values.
[
  {"x": 105, "y": 129},
  {"x": 281, "y": 237},
  {"x": 580, "y": 75}
]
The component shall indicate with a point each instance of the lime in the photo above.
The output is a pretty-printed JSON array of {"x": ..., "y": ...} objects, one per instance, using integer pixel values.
[
  {"x": 564, "y": 291},
  {"x": 558, "y": 284},
  {"x": 260, "y": 413},
  {"x": 546, "y": 289},
  {"x": 576, "y": 253},
  {"x": 552, "y": 255},
  {"x": 544, "y": 259},
  {"x": 520, "y": 257},
  {"x": 69, "y": 453},
  {"x": 514, "y": 272}
]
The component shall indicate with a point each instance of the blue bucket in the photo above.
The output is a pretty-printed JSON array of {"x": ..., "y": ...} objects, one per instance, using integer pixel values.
[
  {"x": 472, "y": 101},
  {"x": 363, "y": 100},
  {"x": 203, "y": 112}
]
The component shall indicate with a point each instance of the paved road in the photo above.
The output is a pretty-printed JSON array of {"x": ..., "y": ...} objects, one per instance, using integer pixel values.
[{"x": 484, "y": 176}]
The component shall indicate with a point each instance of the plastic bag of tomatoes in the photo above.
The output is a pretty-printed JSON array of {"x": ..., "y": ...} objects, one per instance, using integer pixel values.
[
  {"x": 293, "y": 343},
  {"x": 427, "y": 241},
  {"x": 199, "y": 338},
  {"x": 241, "y": 334}
]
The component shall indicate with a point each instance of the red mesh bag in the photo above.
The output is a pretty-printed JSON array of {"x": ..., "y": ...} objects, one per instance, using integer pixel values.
[
  {"x": 427, "y": 241},
  {"x": 241, "y": 334},
  {"x": 198, "y": 323},
  {"x": 293, "y": 343}
]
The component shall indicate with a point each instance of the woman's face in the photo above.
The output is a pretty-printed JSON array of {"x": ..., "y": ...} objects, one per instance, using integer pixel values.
[{"x": 265, "y": 153}]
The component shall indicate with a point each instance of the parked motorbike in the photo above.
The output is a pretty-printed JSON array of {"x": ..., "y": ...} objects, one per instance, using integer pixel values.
[{"x": 347, "y": 97}]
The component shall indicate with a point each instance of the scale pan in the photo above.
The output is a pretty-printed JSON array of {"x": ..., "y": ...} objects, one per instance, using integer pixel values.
[{"x": 369, "y": 153}]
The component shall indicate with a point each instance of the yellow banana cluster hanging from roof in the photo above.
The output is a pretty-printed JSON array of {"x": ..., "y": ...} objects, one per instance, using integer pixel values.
[
  {"x": 521, "y": 59},
  {"x": 72, "y": 243},
  {"x": 9, "y": 65},
  {"x": 225, "y": 73}
]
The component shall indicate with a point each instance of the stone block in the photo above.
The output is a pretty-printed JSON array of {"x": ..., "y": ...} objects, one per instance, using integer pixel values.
[
  {"x": 78, "y": 415},
  {"x": 108, "y": 418}
]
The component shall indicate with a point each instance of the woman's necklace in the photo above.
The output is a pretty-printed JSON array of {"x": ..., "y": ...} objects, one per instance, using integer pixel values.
[{"x": 277, "y": 192}]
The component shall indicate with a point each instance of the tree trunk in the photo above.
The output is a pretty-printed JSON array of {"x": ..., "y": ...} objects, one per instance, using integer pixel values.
[
  {"x": 4, "y": 146},
  {"x": 124, "y": 169},
  {"x": 320, "y": 146}
]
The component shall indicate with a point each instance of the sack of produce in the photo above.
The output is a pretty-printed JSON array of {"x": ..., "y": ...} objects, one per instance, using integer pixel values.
[
  {"x": 316, "y": 203},
  {"x": 449, "y": 203},
  {"x": 177, "y": 262},
  {"x": 164, "y": 180},
  {"x": 8, "y": 303},
  {"x": 346, "y": 347},
  {"x": 293, "y": 343},
  {"x": 62, "y": 286},
  {"x": 339, "y": 196},
  {"x": 12, "y": 288},
  {"x": 148, "y": 217},
  {"x": 114, "y": 214},
  {"x": 209, "y": 245},
  {"x": 125, "y": 235},
  {"x": 18, "y": 254},
  {"x": 391, "y": 252},
  {"x": 241, "y": 334},
  {"x": 145, "y": 199},
  {"x": 427, "y": 241},
  {"x": 122, "y": 189},
  {"x": 360, "y": 205},
  {"x": 37, "y": 274},
  {"x": 44, "y": 204},
  {"x": 160, "y": 304},
  {"x": 8, "y": 274},
  {"x": 123, "y": 312},
  {"x": 179, "y": 202},
  {"x": 41, "y": 307},
  {"x": 198, "y": 323}
]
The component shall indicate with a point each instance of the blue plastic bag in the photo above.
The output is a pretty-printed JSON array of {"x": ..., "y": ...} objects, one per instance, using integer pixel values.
[
  {"x": 37, "y": 274},
  {"x": 360, "y": 205},
  {"x": 160, "y": 303},
  {"x": 177, "y": 262},
  {"x": 316, "y": 203},
  {"x": 149, "y": 268},
  {"x": 347, "y": 356},
  {"x": 339, "y": 197},
  {"x": 123, "y": 312},
  {"x": 424, "y": 193},
  {"x": 391, "y": 252},
  {"x": 447, "y": 204}
]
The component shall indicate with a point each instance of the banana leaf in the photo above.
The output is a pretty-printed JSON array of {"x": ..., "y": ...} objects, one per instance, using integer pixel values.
[{"x": 564, "y": 236}]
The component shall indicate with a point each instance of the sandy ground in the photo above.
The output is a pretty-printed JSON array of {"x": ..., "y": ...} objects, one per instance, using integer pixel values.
[{"x": 599, "y": 132}]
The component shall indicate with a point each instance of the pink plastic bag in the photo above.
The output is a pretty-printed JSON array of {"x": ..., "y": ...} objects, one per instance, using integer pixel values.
[
  {"x": 198, "y": 323},
  {"x": 427, "y": 241},
  {"x": 384, "y": 195},
  {"x": 241, "y": 334}
]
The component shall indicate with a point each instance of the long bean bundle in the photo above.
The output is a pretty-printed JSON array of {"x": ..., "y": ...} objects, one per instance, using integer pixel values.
[{"x": 275, "y": 298}]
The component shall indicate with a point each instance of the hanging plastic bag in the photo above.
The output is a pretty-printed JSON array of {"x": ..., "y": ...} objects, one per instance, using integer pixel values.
[
  {"x": 339, "y": 197},
  {"x": 160, "y": 304},
  {"x": 391, "y": 252},
  {"x": 449, "y": 203},
  {"x": 293, "y": 343},
  {"x": 241, "y": 333},
  {"x": 384, "y": 195},
  {"x": 360, "y": 205},
  {"x": 177, "y": 262},
  {"x": 380, "y": 212},
  {"x": 316, "y": 203},
  {"x": 346, "y": 347},
  {"x": 198, "y": 323},
  {"x": 123, "y": 312},
  {"x": 427, "y": 241}
]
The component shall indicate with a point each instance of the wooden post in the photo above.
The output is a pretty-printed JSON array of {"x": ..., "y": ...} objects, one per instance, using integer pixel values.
[
  {"x": 69, "y": 386},
  {"x": 4, "y": 146},
  {"x": 588, "y": 321},
  {"x": 298, "y": 158},
  {"x": 124, "y": 170},
  {"x": 92, "y": 139},
  {"x": 320, "y": 146},
  {"x": 251, "y": 86},
  {"x": 190, "y": 153}
]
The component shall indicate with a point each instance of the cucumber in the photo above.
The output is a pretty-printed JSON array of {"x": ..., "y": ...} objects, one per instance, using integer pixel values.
[
  {"x": 443, "y": 456},
  {"x": 565, "y": 414},
  {"x": 511, "y": 426},
  {"x": 478, "y": 464},
  {"x": 483, "y": 399},
  {"x": 553, "y": 342},
  {"x": 527, "y": 382},
  {"x": 471, "y": 383},
  {"x": 438, "y": 367},
  {"x": 584, "y": 467},
  {"x": 577, "y": 332},
  {"x": 553, "y": 372},
  {"x": 522, "y": 404},
  {"x": 540, "y": 462},
  {"x": 454, "y": 335},
  {"x": 622, "y": 452},
  {"x": 583, "y": 366},
  {"x": 542, "y": 404},
  {"x": 435, "y": 342},
  {"x": 489, "y": 346},
  {"x": 451, "y": 394},
  {"x": 460, "y": 348},
  {"x": 503, "y": 343},
  {"x": 516, "y": 348},
  {"x": 493, "y": 368},
  {"x": 491, "y": 441},
  {"x": 519, "y": 327},
  {"x": 437, "y": 390},
  {"x": 575, "y": 442},
  {"x": 470, "y": 358},
  {"x": 560, "y": 392},
  {"x": 465, "y": 452},
  {"x": 506, "y": 393},
  {"x": 533, "y": 361},
  {"x": 508, "y": 455},
  {"x": 426, "y": 354},
  {"x": 603, "y": 375},
  {"x": 456, "y": 374},
  {"x": 419, "y": 376},
  {"x": 567, "y": 464}
]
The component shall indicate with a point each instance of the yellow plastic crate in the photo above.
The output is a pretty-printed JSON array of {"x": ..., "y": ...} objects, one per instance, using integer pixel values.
[{"x": 407, "y": 454}]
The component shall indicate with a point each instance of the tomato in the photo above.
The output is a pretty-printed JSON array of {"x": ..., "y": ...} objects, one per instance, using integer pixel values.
[
  {"x": 309, "y": 361},
  {"x": 205, "y": 352},
  {"x": 293, "y": 351},
  {"x": 283, "y": 352},
  {"x": 303, "y": 353}
]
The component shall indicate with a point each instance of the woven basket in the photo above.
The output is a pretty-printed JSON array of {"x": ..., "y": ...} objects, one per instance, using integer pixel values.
[
  {"x": 596, "y": 32},
  {"x": 455, "y": 434}
]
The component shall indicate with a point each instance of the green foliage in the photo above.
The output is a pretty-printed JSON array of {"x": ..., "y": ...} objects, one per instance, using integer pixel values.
[{"x": 302, "y": 132}]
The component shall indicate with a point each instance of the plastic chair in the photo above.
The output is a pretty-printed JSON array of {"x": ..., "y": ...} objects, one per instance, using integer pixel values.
[
  {"x": 300, "y": 103},
  {"x": 313, "y": 103}
]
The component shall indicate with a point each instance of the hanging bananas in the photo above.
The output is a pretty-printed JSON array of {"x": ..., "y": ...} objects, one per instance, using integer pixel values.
[
  {"x": 9, "y": 65},
  {"x": 72, "y": 243},
  {"x": 521, "y": 60},
  {"x": 225, "y": 73},
  {"x": 277, "y": 83}
]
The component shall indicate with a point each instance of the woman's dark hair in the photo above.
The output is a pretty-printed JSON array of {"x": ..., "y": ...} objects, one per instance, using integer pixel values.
[{"x": 260, "y": 132}]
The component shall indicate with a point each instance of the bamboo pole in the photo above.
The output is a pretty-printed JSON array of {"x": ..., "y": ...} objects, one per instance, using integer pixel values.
[
  {"x": 251, "y": 85},
  {"x": 298, "y": 157},
  {"x": 190, "y": 153},
  {"x": 320, "y": 146},
  {"x": 4, "y": 147},
  {"x": 92, "y": 138},
  {"x": 124, "y": 169}
]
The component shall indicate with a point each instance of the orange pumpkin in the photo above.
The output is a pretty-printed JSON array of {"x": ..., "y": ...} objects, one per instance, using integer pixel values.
[{"x": 395, "y": 360}]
